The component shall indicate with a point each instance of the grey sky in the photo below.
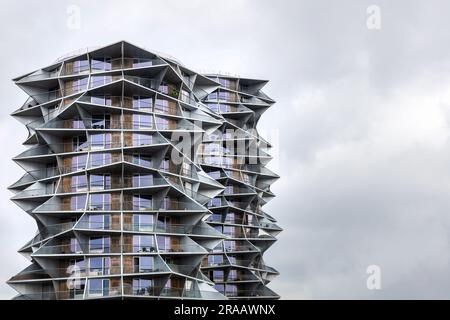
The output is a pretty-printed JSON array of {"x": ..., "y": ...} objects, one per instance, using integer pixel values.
[{"x": 361, "y": 125}]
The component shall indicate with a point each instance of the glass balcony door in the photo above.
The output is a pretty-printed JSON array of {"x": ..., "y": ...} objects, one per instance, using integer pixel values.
[
  {"x": 99, "y": 266},
  {"x": 143, "y": 222}
]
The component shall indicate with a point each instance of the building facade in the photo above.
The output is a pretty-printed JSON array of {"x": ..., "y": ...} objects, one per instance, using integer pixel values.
[{"x": 145, "y": 178}]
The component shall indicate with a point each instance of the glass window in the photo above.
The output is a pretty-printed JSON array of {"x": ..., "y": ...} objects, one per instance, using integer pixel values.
[
  {"x": 143, "y": 222},
  {"x": 99, "y": 287},
  {"x": 230, "y": 217},
  {"x": 142, "y": 160},
  {"x": 217, "y": 275},
  {"x": 162, "y": 105},
  {"x": 142, "y": 202},
  {"x": 99, "y": 244},
  {"x": 75, "y": 246},
  {"x": 216, "y": 217},
  {"x": 185, "y": 96},
  {"x": 79, "y": 183},
  {"x": 165, "y": 164},
  {"x": 164, "y": 88},
  {"x": 139, "y": 63},
  {"x": 80, "y": 66},
  {"x": 101, "y": 64},
  {"x": 214, "y": 174},
  {"x": 231, "y": 290},
  {"x": 100, "y": 182},
  {"x": 78, "y": 85},
  {"x": 100, "y": 159},
  {"x": 217, "y": 259},
  {"x": 142, "y": 103},
  {"x": 143, "y": 287},
  {"x": 232, "y": 275},
  {"x": 229, "y": 231},
  {"x": 97, "y": 81},
  {"x": 142, "y": 121},
  {"x": 100, "y": 201},
  {"x": 78, "y": 202},
  {"x": 143, "y": 264},
  {"x": 213, "y": 106},
  {"x": 225, "y": 108},
  {"x": 215, "y": 202},
  {"x": 141, "y": 139},
  {"x": 102, "y": 100},
  {"x": 101, "y": 121},
  {"x": 77, "y": 123},
  {"x": 229, "y": 245},
  {"x": 99, "y": 221},
  {"x": 79, "y": 162},
  {"x": 143, "y": 243},
  {"x": 79, "y": 143},
  {"x": 100, "y": 140},
  {"x": 142, "y": 180},
  {"x": 163, "y": 243},
  {"x": 162, "y": 123},
  {"x": 99, "y": 265}
]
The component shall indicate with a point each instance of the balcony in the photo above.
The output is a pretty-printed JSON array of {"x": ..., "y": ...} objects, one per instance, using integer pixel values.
[
  {"x": 182, "y": 248},
  {"x": 45, "y": 191},
  {"x": 115, "y": 183},
  {"x": 120, "y": 102},
  {"x": 104, "y": 292},
  {"x": 253, "y": 101},
  {"x": 216, "y": 202},
  {"x": 240, "y": 248},
  {"x": 138, "y": 248},
  {"x": 156, "y": 265},
  {"x": 60, "y": 148},
  {"x": 102, "y": 65},
  {"x": 235, "y": 190},
  {"x": 65, "y": 249},
  {"x": 263, "y": 293},
  {"x": 138, "y": 206},
  {"x": 242, "y": 277},
  {"x": 140, "y": 291},
  {"x": 101, "y": 124},
  {"x": 52, "y": 230},
  {"x": 93, "y": 225}
]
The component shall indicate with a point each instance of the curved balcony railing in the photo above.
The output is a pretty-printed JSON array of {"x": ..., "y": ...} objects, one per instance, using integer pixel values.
[
  {"x": 253, "y": 101},
  {"x": 119, "y": 182},
  {"x": 119, "y": 101},
  {"x": 153, "y": 291},
  {"x": 51, "y": 230},
  {"x": 117, "y": 205},
  {"x": 229, "y": 191},
  {"x": 122, "y": 63},
  {"x": 34, "y": 175},
  {"x": 83, "y": 248},
  {"x": 72, "y": 270},
  {"x": 57, "y": 148},
  {"x": 170, "y": 228},
  {"x": 241, "y": 248},
  {"x": 250, "y": 294}
]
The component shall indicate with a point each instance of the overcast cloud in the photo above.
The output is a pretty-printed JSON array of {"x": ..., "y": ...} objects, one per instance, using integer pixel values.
[{"x": 361, "y": 125}]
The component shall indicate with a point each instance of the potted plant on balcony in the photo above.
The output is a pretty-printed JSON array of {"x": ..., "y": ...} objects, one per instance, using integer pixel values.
[{"x": 174, "y": 93}]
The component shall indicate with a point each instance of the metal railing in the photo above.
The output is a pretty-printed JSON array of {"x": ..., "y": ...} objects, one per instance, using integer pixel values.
[{"x": 56, "y": 148}]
